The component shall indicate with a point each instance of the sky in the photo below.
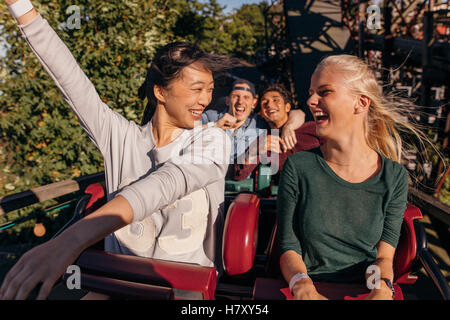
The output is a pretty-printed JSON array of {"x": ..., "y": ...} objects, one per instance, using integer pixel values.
[{"x": 235, "y": 4}]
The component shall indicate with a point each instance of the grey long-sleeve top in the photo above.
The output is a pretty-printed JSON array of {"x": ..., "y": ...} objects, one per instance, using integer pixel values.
[{"x": 176, "y": 191}]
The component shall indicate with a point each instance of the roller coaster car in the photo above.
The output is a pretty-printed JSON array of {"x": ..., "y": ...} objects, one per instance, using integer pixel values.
[
  {"x": 250, "y": 263},
  {"x": 125, "y": 276}
]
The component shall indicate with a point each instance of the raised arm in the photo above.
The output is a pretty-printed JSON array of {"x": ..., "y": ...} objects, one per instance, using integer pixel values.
[
  {"x": 94, "y": 115},
  {"x": 25, "y": 18}
]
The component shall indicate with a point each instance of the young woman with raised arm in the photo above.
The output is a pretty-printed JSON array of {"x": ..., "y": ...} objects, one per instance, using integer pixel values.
[{"x": 164, "y": 178}]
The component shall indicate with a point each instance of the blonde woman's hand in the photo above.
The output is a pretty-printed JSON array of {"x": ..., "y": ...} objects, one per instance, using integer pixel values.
[
  {"x": 304, "y": 289},
  {"x": 384, "y": 293}
]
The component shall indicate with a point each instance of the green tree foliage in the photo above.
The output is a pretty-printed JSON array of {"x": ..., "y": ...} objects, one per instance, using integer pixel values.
[
  {"x": 240, "y": 34},
  {"x": 246, "y": 30},
  {"x": 41, "y": 140},
  {"x": 201, "y": 23}
]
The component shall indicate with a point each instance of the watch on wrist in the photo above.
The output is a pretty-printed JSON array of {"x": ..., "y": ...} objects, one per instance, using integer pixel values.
[{"x": 390, "y": 286}]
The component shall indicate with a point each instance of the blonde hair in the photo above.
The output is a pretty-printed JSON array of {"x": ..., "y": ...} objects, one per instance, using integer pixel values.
[{"x": 387, "y": 116}]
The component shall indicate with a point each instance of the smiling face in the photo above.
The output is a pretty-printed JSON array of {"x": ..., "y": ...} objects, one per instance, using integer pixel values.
[
  {"x": 241, "y": 102},
  {"x": 187, "y": 96},
  {"x": 333, "y": 105},
  {"x": 274, "y": 109}
]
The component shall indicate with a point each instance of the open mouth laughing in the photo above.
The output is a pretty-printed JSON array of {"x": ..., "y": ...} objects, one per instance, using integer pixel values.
[
  {"x": 320, "y": 116},
  {"x": 239, "y": 110},
  {"x": 196, "y": 113}
]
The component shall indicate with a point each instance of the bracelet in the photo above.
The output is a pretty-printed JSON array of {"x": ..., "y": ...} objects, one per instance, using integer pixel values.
[
  {"x": 211, "y": 124},
  {"x": 295, "y": 278},
  {"x": 20, "y": 7}
]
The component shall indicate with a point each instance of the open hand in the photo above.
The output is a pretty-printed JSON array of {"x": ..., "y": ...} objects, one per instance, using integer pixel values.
[
  {"x": 304, "y": 289},
  {"x": 44, "y": 264},
  {"x": 380, "y": 294}
]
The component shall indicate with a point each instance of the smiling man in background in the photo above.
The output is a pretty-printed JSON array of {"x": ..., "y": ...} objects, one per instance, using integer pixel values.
[
  {"x": 275, "y": 108},
  {"x": 239, "y": 120},
  {"x": 243, "y": 125}
]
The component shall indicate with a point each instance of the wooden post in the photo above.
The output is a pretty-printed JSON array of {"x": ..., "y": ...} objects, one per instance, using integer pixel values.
[
  {"x": 387, "y": 41},
  {"x": 361, "y": 23},
  {"x": 426, "y": 59}
]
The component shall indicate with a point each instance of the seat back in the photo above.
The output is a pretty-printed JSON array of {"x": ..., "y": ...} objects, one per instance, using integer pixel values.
[
  {"x": 239, "y": 186},
  {"x": 240, "y": 234},
  {"x": 98, "y": 197},
  {"x": 263, "y": 177},
  {"x": 406, "y": 251},
  {"x": 93, "y": 199}
]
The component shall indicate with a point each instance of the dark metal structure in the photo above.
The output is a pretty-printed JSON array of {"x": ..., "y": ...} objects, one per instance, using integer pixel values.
[{"x": 410, "y": 47}]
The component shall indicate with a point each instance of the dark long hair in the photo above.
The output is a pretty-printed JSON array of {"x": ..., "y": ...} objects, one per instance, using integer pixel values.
[{"x": 167, "y": 65}]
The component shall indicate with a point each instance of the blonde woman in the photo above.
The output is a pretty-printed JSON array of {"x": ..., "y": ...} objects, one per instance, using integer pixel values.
[{"x": 340, "y": 206}]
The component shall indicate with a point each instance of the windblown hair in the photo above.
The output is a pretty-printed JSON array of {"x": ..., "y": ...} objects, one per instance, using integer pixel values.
[
  {"x": 387, "y": 117},
  {"x": 168, "y": 64}
]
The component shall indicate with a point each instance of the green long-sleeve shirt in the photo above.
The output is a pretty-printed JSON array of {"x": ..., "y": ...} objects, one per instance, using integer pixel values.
[{"x": 336, "y": 225}]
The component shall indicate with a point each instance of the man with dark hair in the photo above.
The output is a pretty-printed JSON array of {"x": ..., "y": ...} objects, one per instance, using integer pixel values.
[{"x": 275, "y": 106}]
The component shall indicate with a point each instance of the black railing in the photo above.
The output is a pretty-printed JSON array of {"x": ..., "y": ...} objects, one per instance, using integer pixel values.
[{"x": 26, "y": 198}]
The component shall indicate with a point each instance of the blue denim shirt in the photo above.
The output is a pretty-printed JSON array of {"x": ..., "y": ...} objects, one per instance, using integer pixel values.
[{"x": 241, "y": 137}]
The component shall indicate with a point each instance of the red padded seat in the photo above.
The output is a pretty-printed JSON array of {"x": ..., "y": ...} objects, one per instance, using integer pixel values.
[
  {"x": 406, "y": 251},
  {"x": 185, "y": 277},
  {"x": 98, "y": 197},
  {"x": 240, "y": 234}
]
